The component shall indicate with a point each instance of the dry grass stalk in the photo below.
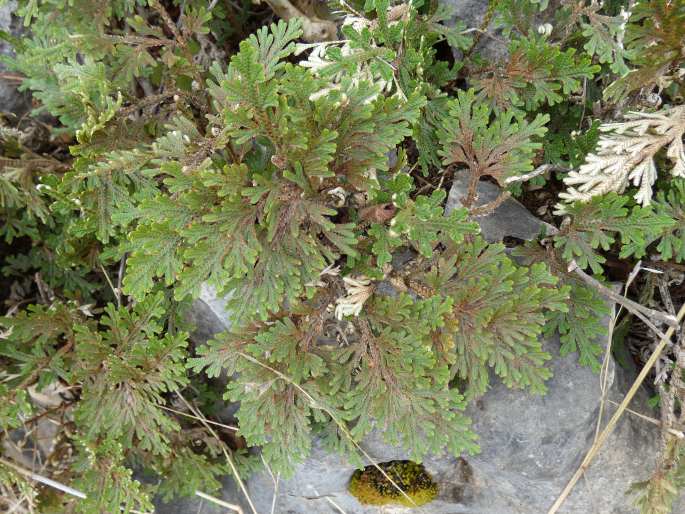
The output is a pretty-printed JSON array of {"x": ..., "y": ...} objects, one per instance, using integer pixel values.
[
  {"x": 611, "y": 425},
  {"x": 217, "y": 501},
  {"x": 234, "y": 470}
]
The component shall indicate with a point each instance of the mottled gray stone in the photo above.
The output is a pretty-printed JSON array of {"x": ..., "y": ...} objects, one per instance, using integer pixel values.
[
  {"x": 509, "y": 219},
  {"x": 11, "y": 100},
  {"x": 472, "y": 13},
  {"x": 320, "y": 484},
  {"x": 531, "y": 445},
  {"x": 208, "y": 314}
]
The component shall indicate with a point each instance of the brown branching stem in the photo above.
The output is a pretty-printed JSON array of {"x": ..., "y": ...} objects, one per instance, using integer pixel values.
[
  {"x": 489, "y": 207},
  {"x": 471, "y": 193}
]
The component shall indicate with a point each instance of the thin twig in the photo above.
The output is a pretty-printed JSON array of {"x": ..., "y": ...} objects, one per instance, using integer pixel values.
[
  {"x": 604, "y": 373},
  {"x": 46, "y": 294},
  {"x": 181, "y": 413},
  {"x": 639, "y": 310},
  {"x": 325, "y": 497},
  {"x": 583, "y": 103},
  {"x": 275, "y": 496},
  {"x": 122, "y": 269},
  {"x": 43, "y": 480},
  {"x": 677, "y": 433},
  {"x": 13, "y": 77},
  {"x": 117, "y": 292},
  {"x": 217, "y": 501},
  {"x": 275, "y": 480},
  {"x": 619, "y": 412},
  {"x": 665, "y": 294},
  {"x": 328, "y": 411}
]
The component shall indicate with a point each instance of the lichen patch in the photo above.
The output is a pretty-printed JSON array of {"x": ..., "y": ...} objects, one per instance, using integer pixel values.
[{"x": 371, "y": 487}]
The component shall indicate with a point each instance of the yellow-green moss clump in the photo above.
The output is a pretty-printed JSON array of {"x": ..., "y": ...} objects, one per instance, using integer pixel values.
[{"x": 370, "y": 487}]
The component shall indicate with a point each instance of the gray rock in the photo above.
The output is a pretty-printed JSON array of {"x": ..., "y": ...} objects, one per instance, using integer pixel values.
[
  {"x": 509, "y": 219},
  {"x": 531, "y": 446},
  {"x": 11, "y": 100},
  {"x": 208, "y": 314},
  {"x": 320, "y": 484},
  {"x": 472, "y": 13}
]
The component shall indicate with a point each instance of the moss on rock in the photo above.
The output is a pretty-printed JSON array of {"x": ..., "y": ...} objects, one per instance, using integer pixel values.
[{"x": 370, "y": 487}]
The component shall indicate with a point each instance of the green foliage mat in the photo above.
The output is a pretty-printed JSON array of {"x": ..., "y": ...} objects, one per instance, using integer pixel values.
[{"x": 289, "y": 177}]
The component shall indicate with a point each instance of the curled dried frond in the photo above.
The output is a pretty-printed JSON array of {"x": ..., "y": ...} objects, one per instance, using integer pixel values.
[{"x": 359, "y": 289}]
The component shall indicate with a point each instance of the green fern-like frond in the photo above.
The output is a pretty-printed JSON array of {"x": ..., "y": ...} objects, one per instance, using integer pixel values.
[
  {"x": 501, "y": 147},
  {"x": 126, "y": 371},
  {"x": 499, "y": 318},
  {"x": 594, "y": 225}
]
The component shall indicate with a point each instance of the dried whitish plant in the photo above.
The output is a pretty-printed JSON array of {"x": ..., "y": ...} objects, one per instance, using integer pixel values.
[
  {"x": 330, "y": 270},
  {"x": 318, "y": 59},
  {"x": 625, "y": 154},
  {"x": 359, "y": 289}
]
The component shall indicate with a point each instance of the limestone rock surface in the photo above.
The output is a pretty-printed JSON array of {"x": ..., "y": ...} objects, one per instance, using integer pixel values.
[
  {"x": 11, "y": 100},
  {"x": 509, "y": 219}
]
